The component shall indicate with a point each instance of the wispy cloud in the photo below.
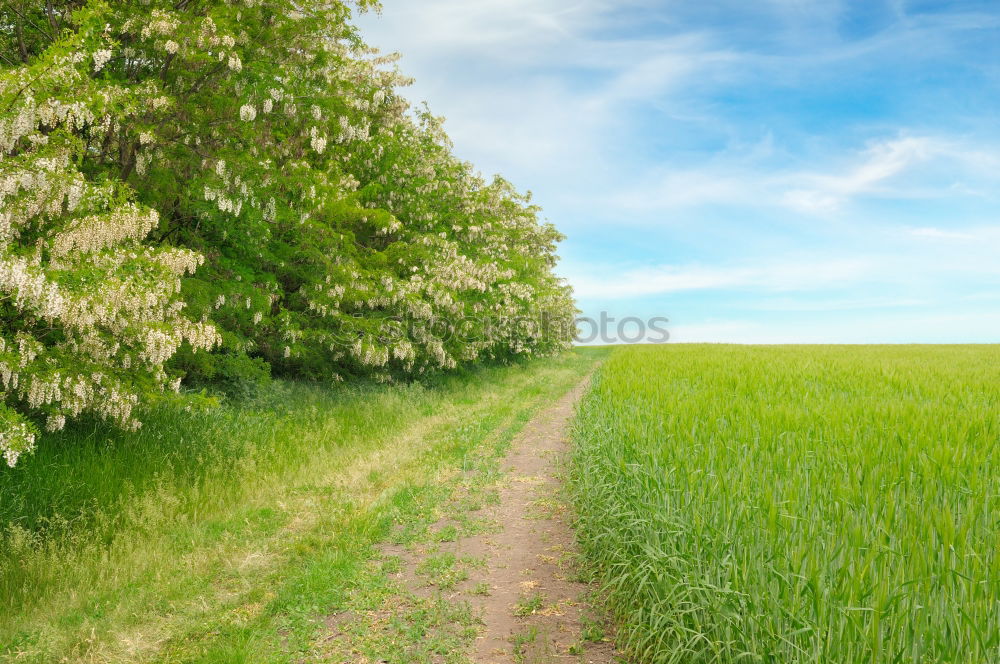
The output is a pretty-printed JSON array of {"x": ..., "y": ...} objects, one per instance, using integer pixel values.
[
  {"x": 880, "y": 162},
  {"x": 892, "y": 327},
  {"x": 834, "y": 304},
  {"x": 794, "y": 156},
  {"x": 939, "y": 234},
  {"x": 539, "y": 86},
  {"x": 674, "y": 279},
  {"x": 824, "y": 277},
  {"x": 882, "y": 169}
]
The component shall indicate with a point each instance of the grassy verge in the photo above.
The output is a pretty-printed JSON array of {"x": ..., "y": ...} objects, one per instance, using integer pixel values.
[
  {"x": 412, "y": 602},
  {"x": 228, "y": 536},
  {"x": 796, "y": 504}
]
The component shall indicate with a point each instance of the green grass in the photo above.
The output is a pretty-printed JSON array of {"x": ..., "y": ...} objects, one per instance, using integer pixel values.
[
  {"x": 231, "y": 535},
  {"x": 527, "y": 606},
  {"x": 796, "y": 504}
]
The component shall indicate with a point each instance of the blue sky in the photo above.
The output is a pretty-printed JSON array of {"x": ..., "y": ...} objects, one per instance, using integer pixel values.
[{"x": 762, "y": 172}]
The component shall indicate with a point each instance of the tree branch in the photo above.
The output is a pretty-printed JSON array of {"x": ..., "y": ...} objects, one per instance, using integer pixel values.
[{"x": 19, "y": 30}]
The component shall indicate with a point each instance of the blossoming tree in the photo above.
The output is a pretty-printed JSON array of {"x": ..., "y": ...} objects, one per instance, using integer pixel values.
[{"x": 187, "y": 175}]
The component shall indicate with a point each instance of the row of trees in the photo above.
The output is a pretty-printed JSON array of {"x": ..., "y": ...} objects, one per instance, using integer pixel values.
[{"x": 212, "y": 189}]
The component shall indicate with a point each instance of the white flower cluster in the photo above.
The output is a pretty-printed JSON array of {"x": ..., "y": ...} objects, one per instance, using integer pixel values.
[
  {"x": 85, "y": 272},
  {"x": 16, "y": 438},
  {"x": 100, "y": 231},
  {"x": 101, "y": 58},
  {"x": 317, "y": 141}
]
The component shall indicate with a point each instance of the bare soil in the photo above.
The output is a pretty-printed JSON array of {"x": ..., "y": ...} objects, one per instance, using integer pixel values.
[{"x": 537, "y": 610}]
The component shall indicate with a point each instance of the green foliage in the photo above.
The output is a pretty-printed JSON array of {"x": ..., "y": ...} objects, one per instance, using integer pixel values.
[
  {"x": 252, "y": 520},
  {"x": 234, "y": 374},
  {"x": 90, "y": 313},
  {"x": 796, "y": 504},
  {"x": 262, "y": 142}
]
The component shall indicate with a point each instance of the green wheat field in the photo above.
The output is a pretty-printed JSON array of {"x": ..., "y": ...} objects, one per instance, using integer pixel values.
[{"x": 796, "y": 504}]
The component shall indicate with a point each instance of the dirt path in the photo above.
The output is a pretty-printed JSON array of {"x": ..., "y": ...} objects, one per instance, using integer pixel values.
[
  {"x": 537, "y": 610},
  {"x": 492, "y": 578}
]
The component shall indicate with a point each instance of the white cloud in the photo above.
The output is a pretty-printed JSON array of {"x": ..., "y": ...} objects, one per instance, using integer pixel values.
[
  {"x": 543, "y": 91},
  {"x": 879, "y": 278},
  {"x": 804, "y": 304},
  {"x": 658, "y": 68},
  {"x": 620, "y": 127},
  {"x": 536, "y": 89},
  {"x": 688, "y": 188},
  {"x": 939, "y": 234},
  {"x": 490, "y": 28},
  {"x": 880, "y": 162},
  {"x": 658, "y": 280},
  {"x": 939, "y": 327},
  {"x": 973, "y": 245},
  {"x": 885, "y": 168},
  {"x": 733, "y": 332}
]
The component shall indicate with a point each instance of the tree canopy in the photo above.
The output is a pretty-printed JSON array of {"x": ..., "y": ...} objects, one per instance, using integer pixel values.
[{"x": 210, "y": 189}]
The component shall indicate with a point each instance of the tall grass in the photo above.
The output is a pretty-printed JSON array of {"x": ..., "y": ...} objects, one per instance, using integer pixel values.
[
  {"x": 796, "y": 504},
  {"x": 158, "y": 545}
]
